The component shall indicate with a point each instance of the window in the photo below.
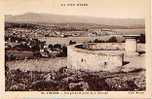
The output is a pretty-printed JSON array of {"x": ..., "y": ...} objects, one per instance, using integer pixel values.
[{"x": 105, "y": 63}]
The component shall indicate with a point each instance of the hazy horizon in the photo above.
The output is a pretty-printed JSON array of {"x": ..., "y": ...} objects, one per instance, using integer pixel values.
[
  {"x": 67, "y": 15},
  {"x": 56, "y": 18}
]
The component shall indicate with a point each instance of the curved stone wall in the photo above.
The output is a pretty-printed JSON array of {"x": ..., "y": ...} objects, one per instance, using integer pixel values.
[
  {"x": 94, "y": 60},
  {"x": 105, "y": 46}
]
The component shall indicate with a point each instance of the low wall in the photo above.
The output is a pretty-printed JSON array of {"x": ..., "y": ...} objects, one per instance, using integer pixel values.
[
  {"x": 114, "y": 46},
  {"x": 65, "y": 41},
  {"x": 107, "y": 46}
]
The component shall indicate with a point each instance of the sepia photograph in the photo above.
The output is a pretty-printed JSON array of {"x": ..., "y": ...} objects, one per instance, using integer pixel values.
[{"x": 102, "y": 50}]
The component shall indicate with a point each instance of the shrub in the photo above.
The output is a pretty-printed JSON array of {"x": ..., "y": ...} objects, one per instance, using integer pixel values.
[{"x": 112, "y": 39}]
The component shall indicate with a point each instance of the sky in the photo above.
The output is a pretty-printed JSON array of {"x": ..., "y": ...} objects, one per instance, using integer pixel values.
[{"x": 95, "y": 8}]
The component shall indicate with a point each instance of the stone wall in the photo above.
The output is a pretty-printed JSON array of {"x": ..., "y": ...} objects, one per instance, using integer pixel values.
[
  {"x": 94, "y": 60},
  {"x": 115, "y": 46},
  {"x": 107, "y": 46}
]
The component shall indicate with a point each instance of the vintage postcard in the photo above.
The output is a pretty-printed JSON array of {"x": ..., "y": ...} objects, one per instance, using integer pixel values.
[{"x": 75, "y": 49}]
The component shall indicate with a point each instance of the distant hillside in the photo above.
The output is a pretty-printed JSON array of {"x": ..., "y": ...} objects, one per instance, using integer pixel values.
[{"x": 52, "y": 18}]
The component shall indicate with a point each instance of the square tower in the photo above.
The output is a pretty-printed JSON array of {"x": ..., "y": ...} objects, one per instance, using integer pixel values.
[{"x": 131, "y": 44}]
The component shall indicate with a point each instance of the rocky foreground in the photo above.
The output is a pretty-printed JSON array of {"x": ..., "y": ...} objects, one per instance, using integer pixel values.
[{"x": 70, "y": 80}]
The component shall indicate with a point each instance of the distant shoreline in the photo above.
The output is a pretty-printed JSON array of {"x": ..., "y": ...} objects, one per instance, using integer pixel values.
[{"x": 37, "y": 18}]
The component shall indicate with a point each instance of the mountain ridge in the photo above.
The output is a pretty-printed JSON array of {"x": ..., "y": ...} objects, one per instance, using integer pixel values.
[{"x": 55, "y": 18}]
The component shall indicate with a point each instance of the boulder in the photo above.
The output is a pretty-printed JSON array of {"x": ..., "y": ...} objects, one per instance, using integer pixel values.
[{"x": 80, "y": 86}]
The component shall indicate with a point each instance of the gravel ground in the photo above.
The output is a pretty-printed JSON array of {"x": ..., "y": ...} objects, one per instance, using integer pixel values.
[{"x": 42, "y": 64}]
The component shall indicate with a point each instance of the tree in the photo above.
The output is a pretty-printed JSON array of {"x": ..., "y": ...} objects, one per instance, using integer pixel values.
[
  {"x": 112, "y": 39},
  {"x": 57, "y": 46},
  {"x": 96, "y": 41},
  {"x": 141, "y": 38},
  {"x": 50, "y": 46},
  {"x": 71, "y": 42},
  {"x": 12, "y": 57},
  {"x": 64, "y": 51}
]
